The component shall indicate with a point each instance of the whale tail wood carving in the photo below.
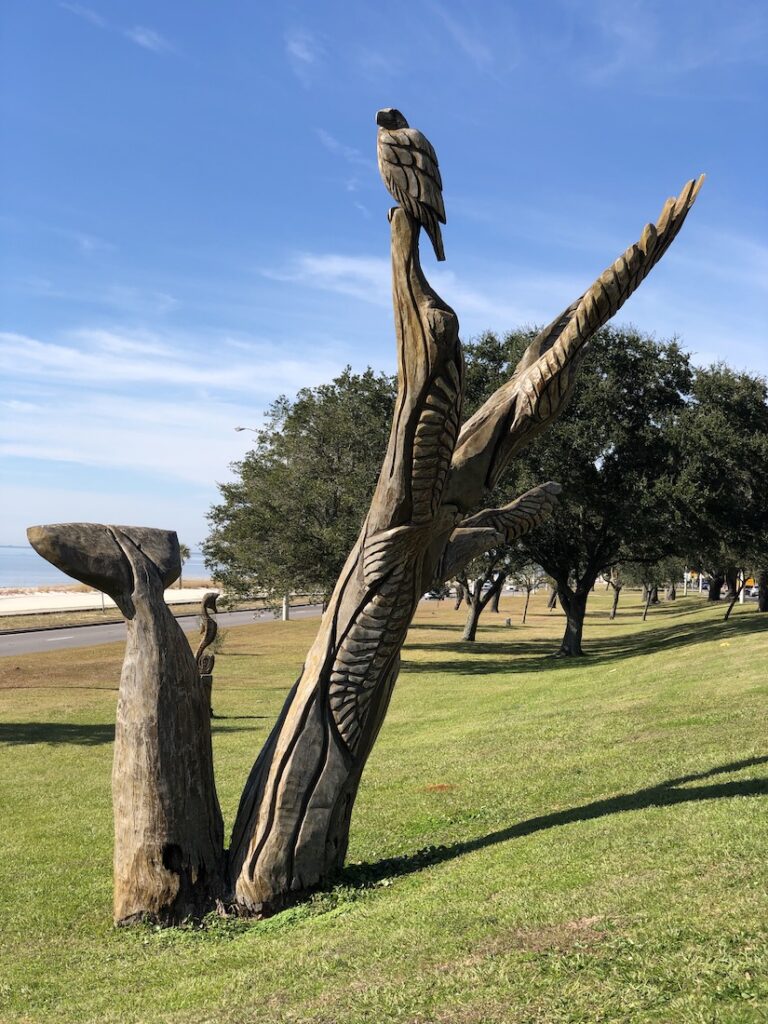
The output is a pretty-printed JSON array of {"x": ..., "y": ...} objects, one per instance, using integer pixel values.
[
  {"x": 169, "y": 834},
  {"x": 292, "y": 826}
]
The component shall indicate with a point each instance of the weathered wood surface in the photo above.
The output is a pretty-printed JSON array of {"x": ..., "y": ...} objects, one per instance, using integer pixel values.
[
  {"x": 292, "y": 827},
  {"x": 168, "y": 859},
  {"x": 409, "y": 169},
  {"x": 291, "y": 830}
]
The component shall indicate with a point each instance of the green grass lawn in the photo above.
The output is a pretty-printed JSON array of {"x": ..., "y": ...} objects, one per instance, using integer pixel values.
[{"x": 535, "y": 841}]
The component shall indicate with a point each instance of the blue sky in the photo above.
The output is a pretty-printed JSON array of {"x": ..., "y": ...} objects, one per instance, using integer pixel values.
[{"x": 192, "y": 221}]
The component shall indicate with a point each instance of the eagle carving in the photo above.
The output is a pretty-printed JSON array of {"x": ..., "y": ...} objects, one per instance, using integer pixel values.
[{"x": 408, "y": 166}]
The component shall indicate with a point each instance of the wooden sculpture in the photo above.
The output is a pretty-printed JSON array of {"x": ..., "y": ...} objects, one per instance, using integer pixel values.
[
  {"x": 208, "y": 631},
  {"x": 169, "y": 834},
  {"x": 292, "y": 825},
  {"x": 409, "y": 169}
]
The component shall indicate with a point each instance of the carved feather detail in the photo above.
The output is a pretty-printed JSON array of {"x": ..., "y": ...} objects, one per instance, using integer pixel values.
[
  {"x": 520, "y": 516},
  {"x": 433, "y": 444},
  {"x": 409, "y": 169},
  {"x": 542, "y": 387},
  {"x": 373, "y": 639}
]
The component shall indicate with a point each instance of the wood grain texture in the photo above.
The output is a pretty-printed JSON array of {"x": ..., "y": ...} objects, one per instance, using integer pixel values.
[
  {"x": 409, "y": 169},
  {"x": 169, "y": 842},
  {"x": 292, "y": 828}
]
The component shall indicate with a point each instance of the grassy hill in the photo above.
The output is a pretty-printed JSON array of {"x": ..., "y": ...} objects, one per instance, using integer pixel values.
[{"x": 535, "y": 841}]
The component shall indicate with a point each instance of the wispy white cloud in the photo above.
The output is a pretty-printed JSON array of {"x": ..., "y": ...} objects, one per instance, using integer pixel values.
[
  {"x": 305, "y": 53},
  {"x": 470, "y": 39},
  {"x": 141, "y": 35},
  {"x": 637, "y": 39},
  {"x": 90, "y": 243},
  {"x": 365, "y": 278},
  {"x": 505, "y": 297},
  {"x": 375, "y": 64},
  {"x": 348, "y": 153},
  {"x": 120, "y": 361},
  {"x": 163, "y": 408},
  {"x": 125, "y": 298},
  {"x": 85, "y": 13},
  {"x": 148, "y": 39}
]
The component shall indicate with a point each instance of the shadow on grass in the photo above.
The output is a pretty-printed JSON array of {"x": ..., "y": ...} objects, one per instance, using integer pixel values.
[
  {"x": 56, "y": 732},
  {"x": 665, "y": 794},
  {"x": 524, "y": 655},
  {"x": 22, "y": 733}
]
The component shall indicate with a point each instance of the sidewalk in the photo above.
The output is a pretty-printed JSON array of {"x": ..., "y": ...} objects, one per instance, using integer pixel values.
[{"x": 67, "y": 601}]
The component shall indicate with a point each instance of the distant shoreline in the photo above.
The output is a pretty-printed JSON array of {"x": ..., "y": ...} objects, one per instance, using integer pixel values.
[{"x": 194, "y": 583}]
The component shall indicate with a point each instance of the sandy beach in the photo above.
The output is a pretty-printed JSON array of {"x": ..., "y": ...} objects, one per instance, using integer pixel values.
[{"x": 76, "y": 598}]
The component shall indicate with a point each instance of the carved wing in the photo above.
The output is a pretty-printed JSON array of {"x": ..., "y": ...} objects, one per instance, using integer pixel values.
[
  {"x": 545, "y": 376},
  {"x": 520, "y": 516},
  {"x": 496, "y": 526},
  {"x": 408, "y": 165}
]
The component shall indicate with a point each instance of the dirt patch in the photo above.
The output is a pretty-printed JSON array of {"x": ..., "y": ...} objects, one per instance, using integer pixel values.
[
  {"x": 439, "y": 787},
  {"x": 559, "y": 938}
]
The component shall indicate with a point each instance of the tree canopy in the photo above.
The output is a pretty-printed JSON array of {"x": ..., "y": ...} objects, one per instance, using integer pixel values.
[
  {"x": 614, "y": 451},
  {"x": 288, "y": 520},
  {"x": 723, "y": 440}
]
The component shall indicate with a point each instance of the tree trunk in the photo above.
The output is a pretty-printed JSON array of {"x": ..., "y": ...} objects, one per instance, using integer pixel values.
[
  {"x": 473, "y": 616},
  {"x": 732, "y": 579},
  {"x": 733, "y": 600},
  {"x": 497, "y": 593},
  {"x": 715, "y": 586},
  {"x": 615, "y": 605},
  {"x": 291, "y": 831},
  {"x": 552, "y": 601},
  {"x": 574, "y": 603},
  {"x": 762, "y": 598},
  {"x": 525, "y": 606},
  {"x": 169, "y": 835},
  {"x": 671, "y": 593},
  {"x": 481, "y": 600},
  {"x": 459, "y": 596},
  {"x": 654, "y": 595},
  {"x": 648, "y": 596}
]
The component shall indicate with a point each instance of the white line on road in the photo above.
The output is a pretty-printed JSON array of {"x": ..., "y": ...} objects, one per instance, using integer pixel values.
[{"x": 54, "y": 639}]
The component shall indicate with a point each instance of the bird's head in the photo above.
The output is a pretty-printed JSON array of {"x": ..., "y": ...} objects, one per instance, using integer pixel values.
[{"x": 390, "y": 118}]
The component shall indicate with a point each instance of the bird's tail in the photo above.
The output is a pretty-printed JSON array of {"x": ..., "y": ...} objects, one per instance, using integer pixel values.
[{"x": 432, "y": 227}]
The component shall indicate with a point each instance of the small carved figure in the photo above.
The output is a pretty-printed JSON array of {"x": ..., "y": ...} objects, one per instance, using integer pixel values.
[
  {"x": 208, "y": 630},
  {"x": 408, "y": 166}
]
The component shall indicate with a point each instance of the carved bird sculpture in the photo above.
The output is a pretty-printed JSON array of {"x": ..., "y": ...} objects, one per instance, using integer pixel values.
[{"x": 408, "y": 167}]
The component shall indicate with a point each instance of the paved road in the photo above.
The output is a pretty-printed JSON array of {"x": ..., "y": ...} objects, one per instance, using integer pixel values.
[{"x": 90, "y": 636}]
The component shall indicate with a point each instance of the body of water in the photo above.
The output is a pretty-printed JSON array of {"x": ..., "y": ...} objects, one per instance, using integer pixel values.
[{"x": 23, "y": 567}]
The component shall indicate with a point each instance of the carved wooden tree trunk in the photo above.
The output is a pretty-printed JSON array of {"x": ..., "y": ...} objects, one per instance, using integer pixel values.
[
  {"x": 292, "y": 826},
  {"x": 169, "y": 835},
  {"x": 716, "y": 584},
  {"x": 762, "y": 594}
]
